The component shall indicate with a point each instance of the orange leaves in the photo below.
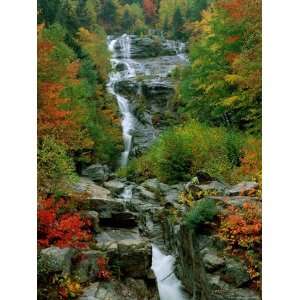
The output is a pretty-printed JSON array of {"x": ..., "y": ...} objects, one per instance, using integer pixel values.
[
  {"x": 242, "y": 227},
  {"x": 241, "y": 230},
  {"x": 149, "y": 8},
  {"x": 72, "y": 72},
  {"x": 232, "y": 39},
  {"x": 235, "y": 8}
]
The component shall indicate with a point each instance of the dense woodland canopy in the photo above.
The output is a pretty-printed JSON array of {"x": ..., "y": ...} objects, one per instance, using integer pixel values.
[{"x": 216, "y": 110}]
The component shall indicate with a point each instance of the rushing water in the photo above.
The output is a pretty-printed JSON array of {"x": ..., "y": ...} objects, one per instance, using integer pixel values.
[
  {"x": 169, "y": 286},
  {"x": 158, "y": 68}
]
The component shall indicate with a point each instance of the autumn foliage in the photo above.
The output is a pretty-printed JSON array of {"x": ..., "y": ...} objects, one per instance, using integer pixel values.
[
  {"x": 62, "y": 228},
  {"x": 241, "y": 229},
  {"x": 103, "y": 273}
]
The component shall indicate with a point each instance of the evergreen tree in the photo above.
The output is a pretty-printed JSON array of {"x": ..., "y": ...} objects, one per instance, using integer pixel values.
[
  {"x": 83, "y": 16},
  {"x": 109, "y": 12},
  {"x": 127, "y": 21},
  {"x": 178, "y": 22}
]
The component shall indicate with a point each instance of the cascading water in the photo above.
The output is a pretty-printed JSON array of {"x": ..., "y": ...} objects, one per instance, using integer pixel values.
[
  {"x": 169, "y": 286},
  {"x": 128, "y": 119}
]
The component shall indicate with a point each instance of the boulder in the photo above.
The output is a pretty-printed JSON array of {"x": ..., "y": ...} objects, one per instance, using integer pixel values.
[
  {"x": 155, "y": 186},
  {"x": 247, "y": 188},
  {"x": 128, "y": 249},
  {"x": 135, "y": 257},
  {"x": 90, "y": 187},
  {"x": 147, "y": 195},
  {"x": 212, "y": 262},
  {"x": 56, "y": 259},
  {"x": 172, "y": 196},
  {"x": 114, "y": 186},
  {"x": 215, "y": 283},
  {"x": 97, "y": 172},
  {"x": 235, "y": 273},
  {"x": 106, "y": 207}
]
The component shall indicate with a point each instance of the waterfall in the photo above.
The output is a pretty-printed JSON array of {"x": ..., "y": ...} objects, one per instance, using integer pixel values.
[
  {"x": 128, "y": 120},
  {"x": 125, "y": 68},
  {"x": 169, "y": 286}
]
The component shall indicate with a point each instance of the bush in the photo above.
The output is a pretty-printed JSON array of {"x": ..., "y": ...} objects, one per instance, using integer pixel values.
[
  {"x": 55, "y": 167},
  {"x": 181, "y": 151},
  {"x": 204, "y": 211}
]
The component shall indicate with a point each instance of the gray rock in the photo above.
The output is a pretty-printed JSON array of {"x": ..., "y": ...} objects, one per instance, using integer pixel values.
[
  {"x": 212, "y": 262},
  {"x": 152, "y": 185},
  {"x": 155, "y": 186},
  {"x": 95, "y": 191},
  {"x": 172, "y": 196},
  {"x": 115, "y": 186},
  {"x": 235, "y": 272},
  {"x": 57, "y": 259},
  {"x": 215, "y": 282},
  {"x": 105, "y": 207},
  {"x": 97, "y": 172},
  {"x": 214, "y": 186},
  {"x": 129, "y": 249},
  {"x": 235, "y": 294},
  {"x": 135, "y": 257},
  {"x": 243, "y": 189},
  {"x": 145, "y": 193}
]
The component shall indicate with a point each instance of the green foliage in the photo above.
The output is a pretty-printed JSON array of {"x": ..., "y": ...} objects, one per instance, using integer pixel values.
[
  {"x": 222, "y": 86},
  {"x": 204, "y": 211},
  {"x": 181, "y": 151},
  {"x": 55, "y": 167}
]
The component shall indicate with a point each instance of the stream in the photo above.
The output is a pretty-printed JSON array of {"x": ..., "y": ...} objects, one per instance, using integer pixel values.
[{"x": 156, "y": 70}]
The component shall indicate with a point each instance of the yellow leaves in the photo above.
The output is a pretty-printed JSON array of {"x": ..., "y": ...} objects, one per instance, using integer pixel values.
[
  {"x": 230, "y": 100},
  {"x": 84, "y": 35},
  {"x": 232, "y": 78}
]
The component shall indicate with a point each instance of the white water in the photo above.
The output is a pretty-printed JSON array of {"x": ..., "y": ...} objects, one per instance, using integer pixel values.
[
  {"x": 128, "y": 120},
  {"x": 169, "y": 286},
  {"x": 158, "y": 68}
]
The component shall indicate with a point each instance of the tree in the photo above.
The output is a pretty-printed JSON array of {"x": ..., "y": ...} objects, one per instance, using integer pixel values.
[
  {"x": 178, "y": 24},
  {"x": 109, "y": 12},
  {"x": 149, "y": 10},
  {"x": 127, "y": 21}
]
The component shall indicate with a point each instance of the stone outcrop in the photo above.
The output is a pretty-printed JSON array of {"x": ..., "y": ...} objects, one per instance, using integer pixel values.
[{"x": 97, "y": 172}]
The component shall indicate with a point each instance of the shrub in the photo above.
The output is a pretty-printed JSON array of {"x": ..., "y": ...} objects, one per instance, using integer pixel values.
[
  {"x": 241, "y": 229},
  {"x": 183, "y": 150},
  {"x": 55, "y": 167},
  {"x": 204, "y": 211},
  {"x": 59, "y": 227}
]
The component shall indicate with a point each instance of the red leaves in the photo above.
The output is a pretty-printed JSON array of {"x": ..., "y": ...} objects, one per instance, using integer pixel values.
[
  {"x": 103, "y": 273},
  {"x": 59, "y": 228}
]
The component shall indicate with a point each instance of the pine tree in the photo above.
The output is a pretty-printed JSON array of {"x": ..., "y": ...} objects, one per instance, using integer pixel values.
[{"x": 178, "y": 24}]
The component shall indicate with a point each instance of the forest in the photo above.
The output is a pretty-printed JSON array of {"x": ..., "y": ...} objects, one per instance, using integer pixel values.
[{"x": 149, "y": 112}]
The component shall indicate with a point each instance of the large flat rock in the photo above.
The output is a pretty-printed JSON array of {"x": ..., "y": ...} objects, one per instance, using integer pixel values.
[{"x": 131, "y": 251}]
